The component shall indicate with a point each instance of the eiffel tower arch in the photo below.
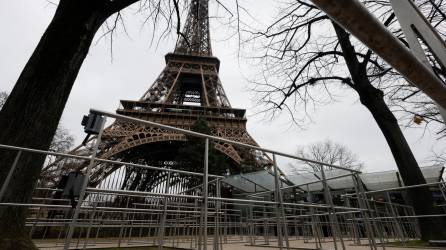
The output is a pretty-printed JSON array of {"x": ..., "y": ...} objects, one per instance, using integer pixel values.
[{"x": 189, "y": 87}]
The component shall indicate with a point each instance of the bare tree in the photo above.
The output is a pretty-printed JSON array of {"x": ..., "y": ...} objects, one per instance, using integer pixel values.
[
  {"x": 413, "y": 108},
  {"x": 308, "y": 59},
  {"x": 36, "y": 103},
  {"x": 62, "y": 140},
  {"x": 329, "y": 152},
  {"x": 438, "y": 157}
]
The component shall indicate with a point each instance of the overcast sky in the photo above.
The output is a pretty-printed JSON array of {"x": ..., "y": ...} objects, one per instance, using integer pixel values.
[{"x": 102, "y": 82}]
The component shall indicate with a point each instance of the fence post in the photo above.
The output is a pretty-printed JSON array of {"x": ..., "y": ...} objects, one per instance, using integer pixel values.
[
  {"x": 363, "y": 204},
  {"x": 84, "y": 187},
  {"x": 336, "y": 233},
  {"x": 164, "y": 215},
  {"x": 282, "y": 226},
  {"x": 217, "y": 217},
  {"x": 205, "y": 194}
]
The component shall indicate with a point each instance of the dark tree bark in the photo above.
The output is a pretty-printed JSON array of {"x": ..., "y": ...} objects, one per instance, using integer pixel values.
[
  {"x": 32, "y": 112},
  {"x": 373, "y": 99}
]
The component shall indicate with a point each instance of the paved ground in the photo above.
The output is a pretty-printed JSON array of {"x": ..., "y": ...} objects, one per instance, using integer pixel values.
[{"x": 234, "y": 243}]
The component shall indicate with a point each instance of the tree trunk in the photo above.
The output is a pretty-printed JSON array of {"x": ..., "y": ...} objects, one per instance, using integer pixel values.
[
  {"x": 373, "y": 99},
  {"x": 31, "y": 114},
  {"x": 421, "y": 198}
]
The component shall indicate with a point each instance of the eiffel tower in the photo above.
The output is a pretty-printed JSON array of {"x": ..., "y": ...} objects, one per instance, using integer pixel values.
[{"x": 188, "y": 88}]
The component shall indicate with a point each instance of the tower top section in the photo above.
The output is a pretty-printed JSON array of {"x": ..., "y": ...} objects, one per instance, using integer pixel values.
[{"x": 195, "y": 38}]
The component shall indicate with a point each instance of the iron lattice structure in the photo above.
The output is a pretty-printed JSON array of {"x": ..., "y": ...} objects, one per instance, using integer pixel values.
[
  {"x": 195, "y": 39},
  {"x": 188, "y": 88}
]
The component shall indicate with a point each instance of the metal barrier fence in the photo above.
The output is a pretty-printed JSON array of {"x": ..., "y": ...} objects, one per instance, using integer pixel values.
[{"x": 173, "y": 214}]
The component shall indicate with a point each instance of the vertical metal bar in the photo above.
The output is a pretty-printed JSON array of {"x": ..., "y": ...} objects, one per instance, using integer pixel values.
[
  {"x": 265, "y": 226},
  {"x": 280, "y": 205},
  {"x": 101, "y": 221},
  {"x": 441, "y": 187},
  {"x": 415, "y": 223},
  {"x": 197, "y": 226},
  {"x": 365, "y": 216},
  {"x": 417, "y": 233},
  {"x": 217, "y": 217},
  {"x": 9, "y": 176},
  {"x": 205, "y": 193},
  {"x": 163, "y": 217},
  {"x": 190, "y": 229},
  {"x": 125, "y": 216},
  {"x": 296, "y": 228},
  {"x": 362, "y": 201},
  {"x": 131, "y": 225},
  {"x": 84, "y": 187},
  {"x": 313, "y": 218},
  {"x": 390, "y": 223},
  {"x": 332, "y": 217},
  {"x": 31, "y": 231},
  {"x": 177, "y": 226},
  {"x": 95, "y": 204},
  {"x": 251, "y": 225},
  {"x": 396, "y": 223},
  {"x": 149, "y": 229},
  {"x": 355, "y": 234},
  {"x": 284, "y": 223},
  {"x": 79, "y": 238},
  {"x": 226, "y": 224}
]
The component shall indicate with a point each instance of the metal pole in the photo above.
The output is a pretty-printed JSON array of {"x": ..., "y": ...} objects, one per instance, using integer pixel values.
[
  {"x": 440, "y": 186},
  {"x": 84, "y": 188},
  {"x": 251, "y": 225},
  {"x": 163, "y": 218},
  {"x": 123, "y": 227},
  {"x": 331, "y": 216},
  {"x": 197, "y": 226},
  {"x": 363, "y": 203},
  {"x": 265, "y": 226},
  {"x": 355, "y": 233},
  {"x": 314, "y": 222},
  {"x": 10, "y": 173},
  {"x": 285, "y": 224},
  {"x": 395, "y": 220},
  {"x": 217, "y": 218},
  {"x": 279, "y": 205},
  {"x": 95, "y": 204},
  {"x": 226, "y": 222},
  {"x": 205, "y": 194}
]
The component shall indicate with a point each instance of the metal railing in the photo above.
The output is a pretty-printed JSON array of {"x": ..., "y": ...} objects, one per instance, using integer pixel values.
[{"x": 194, "y": 217}]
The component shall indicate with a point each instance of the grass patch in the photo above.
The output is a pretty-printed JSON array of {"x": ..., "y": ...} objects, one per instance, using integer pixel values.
[{"x": 410, "y": 243}]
